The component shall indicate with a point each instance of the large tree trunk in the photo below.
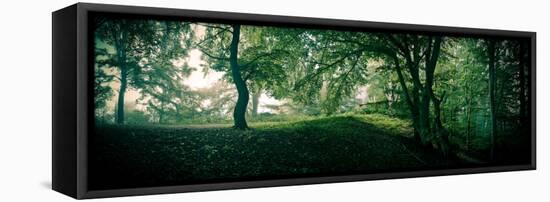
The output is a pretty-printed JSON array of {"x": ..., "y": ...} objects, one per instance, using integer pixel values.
[
  {"x": 420, "y": 127},
  {"x": 439, "y": 134},
  {"x": 419, "y": 99},
  {"x": 412, "y": 106},
  {"x": 242, "y": 101},
  {"x": 432, "y": 55},
  {"x": 424, "y": 118},
  {"x": 492, "y": 94},
  {"x": 426, "y": 91},
  {"x": 121, "y": 57}
]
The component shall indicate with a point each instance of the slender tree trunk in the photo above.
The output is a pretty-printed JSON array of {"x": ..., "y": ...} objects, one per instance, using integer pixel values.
[
  {"x": 255, "y": 102},
  {"x": 492, "y": 94},
  {"x": 121, "y": 92},
  {"x": 391, "y": 98},
  {"x": 239, "y": 112},
  {"x": 440, "y": 132},
  {"x": 438, "y": 124},
  {"x": 417, "y": 114},
  {"x": 161, "y": 112},
  {"x": 469, "y": 125}
]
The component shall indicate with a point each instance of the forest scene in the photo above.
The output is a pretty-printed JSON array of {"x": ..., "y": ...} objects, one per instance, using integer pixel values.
[{"x": 180, "y": 102}]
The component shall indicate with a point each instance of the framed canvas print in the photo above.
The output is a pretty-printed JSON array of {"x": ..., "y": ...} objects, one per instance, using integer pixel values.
[{"x": 155, "y": 100}]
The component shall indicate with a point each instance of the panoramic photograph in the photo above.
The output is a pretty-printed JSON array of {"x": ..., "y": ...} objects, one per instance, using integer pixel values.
[{"x": 186, "y": 102}]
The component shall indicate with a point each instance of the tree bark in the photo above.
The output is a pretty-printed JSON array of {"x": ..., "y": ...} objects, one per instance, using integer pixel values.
[
  {"x": 420, "y": 97},
  {"x": 121, "y": 57},
  {"x": 419, "y": 117},
  {"x": 432, "y": 55},
  {"x": 121, "y": 92},
  {"x": 412, "y": 107},
  {"x": 425, "y": 96},
  {"x": 239, "y": 112},
  {"x": 439, "y": 135}
]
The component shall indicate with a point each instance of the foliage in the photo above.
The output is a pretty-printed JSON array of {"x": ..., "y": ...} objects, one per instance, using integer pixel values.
[{"x": 457, "y": 97}]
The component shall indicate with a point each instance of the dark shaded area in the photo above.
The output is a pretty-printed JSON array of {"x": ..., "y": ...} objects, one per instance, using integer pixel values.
[{"x": 143, "y": 156}]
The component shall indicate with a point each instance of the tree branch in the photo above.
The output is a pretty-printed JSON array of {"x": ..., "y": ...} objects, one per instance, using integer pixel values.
[
  {"x": 216, "y": 27},
  {"x": 202, "y": 49},
  {"x": 402, "y": 80}
]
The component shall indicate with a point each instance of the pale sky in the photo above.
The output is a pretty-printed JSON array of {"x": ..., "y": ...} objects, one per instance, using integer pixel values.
[
  {"x": 267, "y": 100},
  {"x": 198, "y": 79}
]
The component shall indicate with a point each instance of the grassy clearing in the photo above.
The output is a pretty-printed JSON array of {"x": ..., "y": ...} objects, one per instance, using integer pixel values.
[{"x": 138, "y": 156}]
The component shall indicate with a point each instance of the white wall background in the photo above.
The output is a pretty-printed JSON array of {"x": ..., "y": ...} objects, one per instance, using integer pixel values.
[{"x": 25, "y": 99}]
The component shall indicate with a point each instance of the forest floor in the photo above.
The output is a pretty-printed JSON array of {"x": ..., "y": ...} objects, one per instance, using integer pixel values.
[{"x": 140, "y": 156}]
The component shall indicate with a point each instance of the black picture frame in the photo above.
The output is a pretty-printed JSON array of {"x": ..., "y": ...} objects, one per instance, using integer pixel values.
[{"x": 72, "y": 97}]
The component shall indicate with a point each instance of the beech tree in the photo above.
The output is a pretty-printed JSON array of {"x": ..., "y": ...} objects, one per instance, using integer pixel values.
[{"x": 251, "y": 55}]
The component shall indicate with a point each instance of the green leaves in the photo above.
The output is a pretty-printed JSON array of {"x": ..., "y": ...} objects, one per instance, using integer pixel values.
[{"x": 308, "y": 71}]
